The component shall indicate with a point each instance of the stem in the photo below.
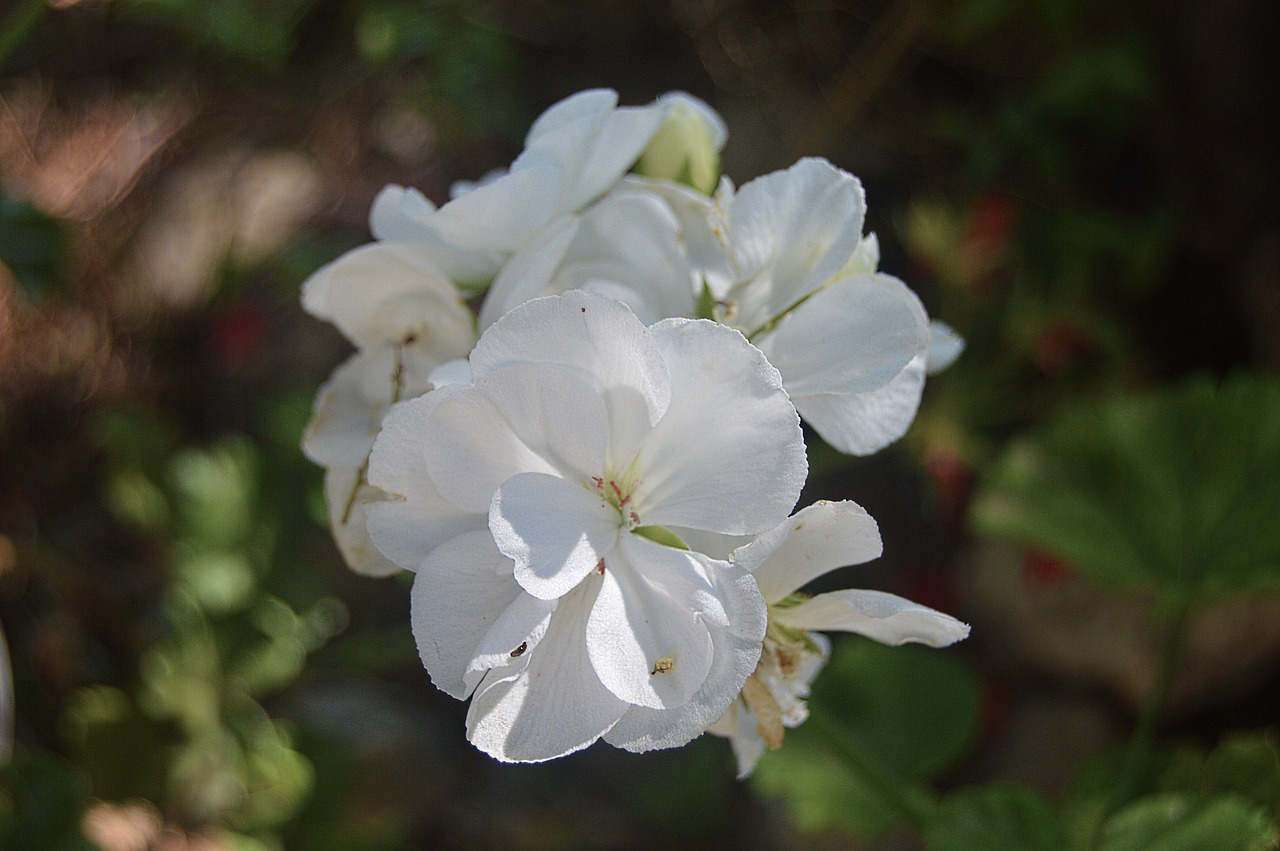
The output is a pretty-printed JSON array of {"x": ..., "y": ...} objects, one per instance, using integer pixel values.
[
  {"x": 908, "y": 803},
  {"x": 1142, "y": 746},
  {"x": 18, "y": 25}
]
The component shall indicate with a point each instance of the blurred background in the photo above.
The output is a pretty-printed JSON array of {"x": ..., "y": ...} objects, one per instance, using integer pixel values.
[{"x": 1085, "y": 189}]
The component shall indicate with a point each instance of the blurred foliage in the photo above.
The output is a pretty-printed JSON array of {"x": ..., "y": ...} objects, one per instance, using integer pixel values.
[
  {"x": 242, "y": 703},
  {"x": 1174, "y": 491},
  {"x": 883, "y": 722}
]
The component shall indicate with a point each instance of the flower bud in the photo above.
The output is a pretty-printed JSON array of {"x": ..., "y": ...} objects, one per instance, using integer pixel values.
[{"x": 687, "y": 146}]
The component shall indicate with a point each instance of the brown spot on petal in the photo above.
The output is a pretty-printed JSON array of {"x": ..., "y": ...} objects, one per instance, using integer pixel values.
[{"x": 519, "y": 651}]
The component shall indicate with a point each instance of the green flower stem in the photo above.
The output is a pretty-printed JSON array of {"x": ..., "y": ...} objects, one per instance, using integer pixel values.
[
  {"x": 908, "y": 802},
  {"x": 18, "y": 25},
  {"x": 1142, "y": 746}
]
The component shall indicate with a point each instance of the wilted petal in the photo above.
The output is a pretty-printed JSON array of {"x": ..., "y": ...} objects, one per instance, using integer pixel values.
[
  {"x": 524, "y": 417},
  {"x": 648, "y": 632},
  {"x": 556, "y": 705},
  {"x": 346, "y": 497},
  {"x": 736, "y": 650},
  {"x": 601, "y": 342},
  {"x": 349, "y": 409},
  {"x": 556, "y": 531},
  {"x": 883, "y": 617},
  {"x": 863, "y": 423},
  {"x": 729, "y": 454},
  {"x": 853, "y": 336},
  {"x": 462, "y": 589},
  {"x": 414, "y": 518},
  {"x": 815, "y": 540}
]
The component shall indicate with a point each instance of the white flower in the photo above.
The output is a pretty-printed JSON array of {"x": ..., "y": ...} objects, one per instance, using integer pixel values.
[
  {"x": 574, "y": 154},
  {"x": 405, "y": 318},
  {"x": 816, "y": 540},
  {"x": 783, "y": 260},
  {"x": 542, "y": 506}
]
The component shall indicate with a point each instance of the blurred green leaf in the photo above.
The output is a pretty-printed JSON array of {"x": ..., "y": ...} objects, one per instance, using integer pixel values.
[
  {"x": 243, "y": 29},
  {"x": 42, "y": 801},
  {"x": 1176, "y": 491},
  {"x": 34, "y": 246},
  {"x": 997, "y": 818},
  {"x": 1246, "y": 763},
  {"x": 906, "y": 713},
  {"x": 1176, "y": 822}
]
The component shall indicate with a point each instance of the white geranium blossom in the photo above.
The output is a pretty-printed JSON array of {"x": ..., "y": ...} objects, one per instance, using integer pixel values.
[
  {"x": 405, "y": 318},
  {"x": 574, "y": 154},
  {"x": 783, "y": 260},
  {"x": 542, "y": 506},
  {"x": 816, "y": 540}
]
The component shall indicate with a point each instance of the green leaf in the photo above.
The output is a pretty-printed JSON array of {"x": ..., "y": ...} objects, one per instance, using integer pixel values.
[
  {"x": 1178, "y": 822},
  {"x": 1246, "y": 763},
  {"x": 1175, "y": 491},
  {"x": 881, "y": 720},
  {"x": 34, "y": 246},
  {"x": 997, "y": 818}
]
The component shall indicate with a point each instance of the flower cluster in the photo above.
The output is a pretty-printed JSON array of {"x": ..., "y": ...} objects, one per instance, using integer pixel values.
[{"x": 594, "y": 492}]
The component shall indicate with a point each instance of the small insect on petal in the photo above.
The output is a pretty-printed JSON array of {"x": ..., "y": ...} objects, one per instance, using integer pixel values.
[
  {"x": 519, "y": 651},
  {"x": 600, "y": 567},
  {"x": 665, "y": 665}
]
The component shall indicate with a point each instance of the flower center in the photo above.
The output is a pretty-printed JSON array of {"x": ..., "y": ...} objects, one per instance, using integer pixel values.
[{"x": 619, "y": 496}]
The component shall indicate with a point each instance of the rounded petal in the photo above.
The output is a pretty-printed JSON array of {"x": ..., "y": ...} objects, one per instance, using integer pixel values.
[
  {"x": 403, "y": 215},
  {"x": 463, "y": 588},
  {"x": 602, "y": 342},
  {"x": 729, "y": 454},
  {"x": 384, "y": 292},
  {"x": 502, "y": 215},
  {"x": 863, "y": 423},
  {"x": 414, "y": 518},
  {"x": 790, "y": 232},
  {"x": 815, "y": 540},
  {"x": 945, "y": 345},
  {"x": 554, "y": 706},
  {"x": 736, "y": 650},
  {"x": 648, "y": 632},
  {"x": 517, "y": 631},
  {"x": 882, "y": 617},
  {"x": 853, "y": 336},
  {"x": 524, "y": 417},
  {"x": 346, "y": 497},
  {"x": 556, "y": 531}
]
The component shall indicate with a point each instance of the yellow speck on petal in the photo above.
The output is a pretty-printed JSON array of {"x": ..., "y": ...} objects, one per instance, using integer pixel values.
[{"x": 665, "y": 665}]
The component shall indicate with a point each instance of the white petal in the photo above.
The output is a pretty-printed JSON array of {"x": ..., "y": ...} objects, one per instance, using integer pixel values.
[
  {"x": 853, "y": 336},
  {"x": 596, "y": 152},
  {"x": 554, "y": 706},
  {"x": 791, "y": 232},
  {"x": 815, "y": 540},
  {"x": 414, "y": 518},
  {"x": 528, "y": 274},
  {"x": 736, "y": 650},
  {"x": 346, "y": 499},
  {"x": 602, "y": 342},
  {"x": 648, "y": 632},
  {"x": 502, "y": 215},
  {"x": 349, "y": 409},
  {"x": 863, "y": 423},
  {"x": 382, "y": 292},
  {"x": 456, "y": 371},
  {"x": 945, "y": 345},
  {"x": 628, "y": 248},
  {"x": 556, "y": 531},
  {"x": 518, "y": 630},
  {"x": 462, "y": 589},
  {"x": 702, "y": 231},
  {"x": 524, "y": 417},
  {"x": 729, "y": 454},
  {"x": 883, "y": 617},
  {"x": 585, "y": 106}
]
